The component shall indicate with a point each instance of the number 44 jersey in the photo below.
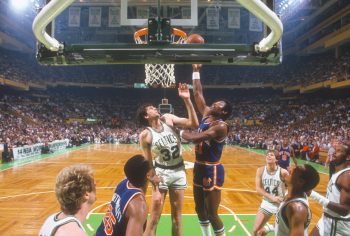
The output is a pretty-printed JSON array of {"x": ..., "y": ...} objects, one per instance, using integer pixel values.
[{"x": 272, "y": 182}]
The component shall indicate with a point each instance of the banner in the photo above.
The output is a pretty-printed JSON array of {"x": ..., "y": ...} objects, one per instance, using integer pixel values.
[
  {"x": 142, "y": 12},
  {"x": 234, "y": 18},
  {"x": 114, "y": 17},
  {"x": 212, "y": 18},
  {"x": 27, "y": 151},
  {"x": 58, "y": 145},
  {"x": 95, "y": 16},
  {"x": 34, "y": 150},
  {"x": 74, "y": 17},
  {"x": 254, "y": 23}
]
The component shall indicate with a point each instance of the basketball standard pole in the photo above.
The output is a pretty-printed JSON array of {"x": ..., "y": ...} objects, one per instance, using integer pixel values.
[
  {"x": 256, "y": 7},
  {"x": 269, "y": 17}
]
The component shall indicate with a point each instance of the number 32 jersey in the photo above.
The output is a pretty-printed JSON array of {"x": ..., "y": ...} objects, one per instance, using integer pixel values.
[{"x": 166, "y": 146}]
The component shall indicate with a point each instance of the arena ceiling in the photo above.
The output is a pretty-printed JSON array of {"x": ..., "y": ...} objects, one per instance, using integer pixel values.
[{"x": 301, "y": 18}]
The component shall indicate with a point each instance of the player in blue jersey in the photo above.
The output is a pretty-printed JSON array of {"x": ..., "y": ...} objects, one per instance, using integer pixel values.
[
  {"x": 208, "y": 173},
  {"x": 127, "y": 211},
  {"x": 285, "y": 153}
]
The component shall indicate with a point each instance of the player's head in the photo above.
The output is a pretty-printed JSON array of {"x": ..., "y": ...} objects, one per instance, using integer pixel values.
[
  {"x": 302, "y": 178},
  {"x": 75, "y": 185},
  {"x": 271, "y": 156},
  {"x": 221, "y": 108},
  {"x": 285, "y": 141},
  {"x": 136, "y": 170},
  {"x": 341, "y": 153},
  {"x": 146, "y": 112}
]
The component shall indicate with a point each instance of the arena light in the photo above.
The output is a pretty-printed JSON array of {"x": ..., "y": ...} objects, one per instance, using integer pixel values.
[{"x": 19, "y": 5}]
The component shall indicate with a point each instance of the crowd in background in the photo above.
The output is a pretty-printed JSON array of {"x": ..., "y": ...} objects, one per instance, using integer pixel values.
[{"x": 258, "y": 121}]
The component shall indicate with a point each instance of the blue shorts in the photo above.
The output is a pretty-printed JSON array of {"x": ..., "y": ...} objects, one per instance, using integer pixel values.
[{"x": 201, "y": 172}]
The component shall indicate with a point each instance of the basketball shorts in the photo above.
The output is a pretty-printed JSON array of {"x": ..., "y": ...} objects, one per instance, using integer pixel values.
[
  {"x": 201, "y": 172},
  {"x": 332, "y": 226},
  {"x": 172, "y": 179},
  {"x": 268, "y": 208}
]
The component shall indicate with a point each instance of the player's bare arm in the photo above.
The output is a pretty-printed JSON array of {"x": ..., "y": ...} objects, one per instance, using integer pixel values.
[
  {"x": 259, "y": 188},
  {"x": 145, "y": 139},
  {"x": 218, "y": 131},
  {"x": 198, "y": 92},
  {"x": 343, "y": 207},
  {"x": 296, "y": 213},
  {"x": 192, "y": 120},
  {"x": 136, "y": 212}
]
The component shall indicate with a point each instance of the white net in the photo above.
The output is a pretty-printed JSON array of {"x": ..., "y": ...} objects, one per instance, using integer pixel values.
[{"x": 160, "y": 75}]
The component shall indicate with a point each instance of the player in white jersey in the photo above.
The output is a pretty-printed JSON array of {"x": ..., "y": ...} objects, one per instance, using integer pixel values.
[
  {"x": 335, "y": 220},
  {"x": 293, "y": 216},
  {"x": 161, "y": 141},
  {"x": 76, "y": 192},
  {"x": 269, "y": 183}
]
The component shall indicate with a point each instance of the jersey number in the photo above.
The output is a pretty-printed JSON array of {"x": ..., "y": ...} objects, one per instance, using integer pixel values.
[
  {"x": 274, "y": 191},
  {"x": 173, "y": 153},
  {"x": 109, "y": 220}
]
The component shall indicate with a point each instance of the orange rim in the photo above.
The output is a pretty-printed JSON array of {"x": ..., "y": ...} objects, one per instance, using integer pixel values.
[{"x": 144, "y": 31}]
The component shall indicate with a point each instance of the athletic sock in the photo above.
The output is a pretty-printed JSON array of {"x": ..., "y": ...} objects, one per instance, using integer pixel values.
[
  {"x": 205, "y": 227},
  {"x": 220, "y": 232}
]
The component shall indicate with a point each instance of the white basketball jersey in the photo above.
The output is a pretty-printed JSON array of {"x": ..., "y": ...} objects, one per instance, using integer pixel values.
[
  {"x": 272, "y": 184},
  {"x": 52, "y": 223},
  {"x": 333, "y": 194},
  {"x": 166, "y": 146},
  {"x": 281, "y": 227}
]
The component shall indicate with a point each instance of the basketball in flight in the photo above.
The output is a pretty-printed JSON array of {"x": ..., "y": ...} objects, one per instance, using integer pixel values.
[{"x": 195, "y": 38}]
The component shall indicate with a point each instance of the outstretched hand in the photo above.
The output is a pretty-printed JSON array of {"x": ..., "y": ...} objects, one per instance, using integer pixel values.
[{"x": 184, "y": 91}]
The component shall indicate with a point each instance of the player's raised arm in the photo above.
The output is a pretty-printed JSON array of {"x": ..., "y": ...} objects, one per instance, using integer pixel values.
[
  {"x": 192, "y": 120},
  {"x": 198, "y": 91}
]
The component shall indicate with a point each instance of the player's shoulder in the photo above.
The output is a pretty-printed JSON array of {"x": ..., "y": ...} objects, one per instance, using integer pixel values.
[
  {"x": 260, "y": 170},
  {"x": 144, "y": 134},
  {"x": 137, "y": 205},
  {"x": 70, "y": 229}
]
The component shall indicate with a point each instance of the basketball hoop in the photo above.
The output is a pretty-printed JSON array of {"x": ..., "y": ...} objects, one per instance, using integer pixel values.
[{"x": 160, "y": 74}]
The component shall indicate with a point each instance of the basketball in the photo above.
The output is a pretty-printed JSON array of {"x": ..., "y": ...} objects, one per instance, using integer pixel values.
[{"x": 195, "y": 38}]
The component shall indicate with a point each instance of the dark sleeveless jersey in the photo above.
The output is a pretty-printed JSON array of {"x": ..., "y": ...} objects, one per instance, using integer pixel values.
[
  {"x": 114, "y": 221},
  {"x": 209, "y": 150},
  {"x": 284, "y": 157}
]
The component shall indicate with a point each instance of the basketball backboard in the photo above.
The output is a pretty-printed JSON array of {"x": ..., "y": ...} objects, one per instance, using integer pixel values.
[{"x": 101, "y": 32}]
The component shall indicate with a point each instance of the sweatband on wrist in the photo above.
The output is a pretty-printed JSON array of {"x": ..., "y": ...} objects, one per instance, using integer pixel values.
[
  {"x": 196, "y": 75},
  {"x": 319, "y": 198},
  {"x": 181, "y": 132}
]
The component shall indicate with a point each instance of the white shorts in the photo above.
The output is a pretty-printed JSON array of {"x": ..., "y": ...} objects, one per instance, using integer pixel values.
[
  {"x": 268, "y": 208},
  {"x": 172, "y": 179},
  {"x": 333, "y": 227}
]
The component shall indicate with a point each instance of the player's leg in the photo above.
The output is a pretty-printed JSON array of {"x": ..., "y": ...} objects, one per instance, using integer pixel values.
[
  {"x": 260, "y": 220},
  {"x": 212, "y": 202},
  {"x": 156, "y": 212},
  {"x": 204, "y": 222},
  {"x": 176, "y": 201},
  {"x": 198, "y": 195}
]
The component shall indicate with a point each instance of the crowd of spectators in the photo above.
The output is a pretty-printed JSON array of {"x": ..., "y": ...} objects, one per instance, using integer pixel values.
[{"x": 258, "y": 121}]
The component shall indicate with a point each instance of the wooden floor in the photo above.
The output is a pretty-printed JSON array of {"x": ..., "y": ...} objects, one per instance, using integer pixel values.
[{"x": 27, "y": 196}]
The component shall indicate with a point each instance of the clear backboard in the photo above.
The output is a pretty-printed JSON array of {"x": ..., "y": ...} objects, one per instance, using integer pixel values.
[{"x": 102, "y": 32}]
